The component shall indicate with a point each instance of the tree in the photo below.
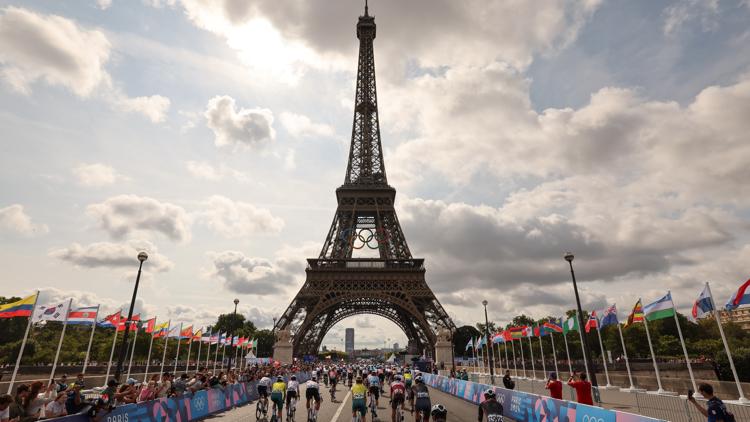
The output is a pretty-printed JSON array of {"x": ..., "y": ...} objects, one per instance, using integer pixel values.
[
  {"x": 461, "y": 338},
  {"x": 492, "y": 326}
]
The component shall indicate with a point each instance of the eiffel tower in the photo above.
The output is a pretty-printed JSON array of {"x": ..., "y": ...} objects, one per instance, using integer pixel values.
[{"x": 390, "y": 282}]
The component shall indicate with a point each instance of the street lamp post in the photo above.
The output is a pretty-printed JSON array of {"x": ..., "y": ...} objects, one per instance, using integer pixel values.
[
  {"x": 586, "y": 349},
  {"x": 487, "y": 339},
  {"x": 231, "y": 334},
  {"x": 142, "y": 256}
]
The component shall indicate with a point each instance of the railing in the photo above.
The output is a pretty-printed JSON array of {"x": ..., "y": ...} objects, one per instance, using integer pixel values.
[{"x": 365, "y": 263}]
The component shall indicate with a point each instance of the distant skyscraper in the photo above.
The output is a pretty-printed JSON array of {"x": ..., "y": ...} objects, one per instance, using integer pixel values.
[
  {"x": 349, "y": 346},
  {"x": 395, "y": 347}
]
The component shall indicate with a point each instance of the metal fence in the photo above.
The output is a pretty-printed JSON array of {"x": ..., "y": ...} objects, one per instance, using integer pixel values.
[{"x": 668, "y": 407}]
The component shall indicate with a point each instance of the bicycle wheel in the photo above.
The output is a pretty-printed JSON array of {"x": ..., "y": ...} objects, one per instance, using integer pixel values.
[{"x": 258, "y": 411}]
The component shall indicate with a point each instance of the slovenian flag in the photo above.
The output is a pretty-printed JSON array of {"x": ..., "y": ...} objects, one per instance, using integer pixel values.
[
  {"x": 703, "y": 305},
  {"x": 740, "y": 297},
  {"x": 662, "y": 308},
  {"x": 83, "y": 316},
  {"x": 20, "y": 308}
]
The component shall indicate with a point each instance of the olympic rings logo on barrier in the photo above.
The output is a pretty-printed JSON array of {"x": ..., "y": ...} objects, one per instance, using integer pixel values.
[
  {"x": 589, "y": 418},
  {"x": 364, "y": 237}
]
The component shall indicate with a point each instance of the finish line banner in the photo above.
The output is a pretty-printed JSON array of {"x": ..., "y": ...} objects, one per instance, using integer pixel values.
[
  {"x": 185, "y": 408},
  {"x": 527, "y": 407}
]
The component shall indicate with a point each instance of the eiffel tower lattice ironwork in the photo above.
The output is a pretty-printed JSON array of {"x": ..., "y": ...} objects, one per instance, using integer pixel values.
[{"x": 391, "y": 283}]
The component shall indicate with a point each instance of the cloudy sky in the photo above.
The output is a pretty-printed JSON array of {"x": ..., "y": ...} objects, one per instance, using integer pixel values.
[{"x": 212, "y": 133}]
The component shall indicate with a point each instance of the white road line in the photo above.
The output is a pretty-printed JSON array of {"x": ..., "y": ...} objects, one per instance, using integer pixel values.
[{"x": 341, "y": 407}]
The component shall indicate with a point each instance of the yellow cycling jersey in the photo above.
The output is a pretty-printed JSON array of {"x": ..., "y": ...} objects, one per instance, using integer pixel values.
[
  {"x": 359, "y": 391},
  {"x": 407, "y": 376},
  {"x": 278, "y": 387}
]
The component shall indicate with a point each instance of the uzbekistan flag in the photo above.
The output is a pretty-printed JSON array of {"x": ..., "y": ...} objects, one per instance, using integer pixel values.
[
  {"x": 554, "y": 325},
  {"x": 636, "y": 315},
  {"x": 83, "y": 316},
  {"x": 740, "y": 297},
  {"x": 21, "y": 308},
  {"x": 703, "y": 305},
  {"x": 662, "y": 308}
]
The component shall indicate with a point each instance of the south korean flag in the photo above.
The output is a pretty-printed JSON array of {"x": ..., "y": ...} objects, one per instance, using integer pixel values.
[{"x": 54, "y": 312}]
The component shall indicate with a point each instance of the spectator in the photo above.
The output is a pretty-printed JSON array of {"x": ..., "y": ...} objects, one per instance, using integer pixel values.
[
  {"x": 74, "y": 401},
  {"x": 180, "y": 384},
  {"x": 5, "y": 402},
  {"x": 98, "y": 411},
  {"x": 464, "y": 375},
  {"x": 165, "y": 387},
  {"x": 109, "y": 393},
  {"x": 508, "y": 381},
  {"x": 62, "y": 385},
  {"x": 36, "y": 401},
  {"x": 126, "y": 393},
  {"x": 80, "y": 381},
  {"x": 715, "y": 410},
  {"x": 148, "y": 392},
  {"x": 197, "y": 384},
  {"x": 17, "y": 409},
  {"x": 56, "y": 407},
  {"x": 582, "y": 387},
  {"x": 554, "y": 386}
]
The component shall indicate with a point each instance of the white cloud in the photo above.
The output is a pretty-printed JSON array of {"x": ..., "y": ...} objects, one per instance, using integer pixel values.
[
  {"x": 113, "y": 255},
  {"x": 108, "y": 306},
  {"x": 300, "y": 126},
  {"x": 233, "y": 219},
  {"x": 206, "y": 171},
  {"x": 104, "y": 4},
  {"x": 232, "y": 127},
  {"x": 58, "y": 51},
  {"x": 97, "y": 175},
  {"x": 678, "y": 14},
  {"x": 123, "y": 215},
  {"x": 14, "y": 219}
]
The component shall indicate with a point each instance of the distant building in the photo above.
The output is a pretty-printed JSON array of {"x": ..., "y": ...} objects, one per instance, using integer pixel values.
[
  {"x": 349, "y": 341},
  {"x": 395, "y": 347},
  {"x": 740, "y": 317}
]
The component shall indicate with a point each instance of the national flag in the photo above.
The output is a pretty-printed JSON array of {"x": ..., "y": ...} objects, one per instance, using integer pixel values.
[
  {"x": 662, "y": 308},
  {"x": 517, "y": 332},
  {"x": 739, "y": 298},
  {"x": 235, "y": 341},
  {"x": 241, "y": 341},
  {"x": 161, "y": 330},
  {"x": 206, "y": 338},
  {"x": 19, "y": 308},
  {"x": 527, "y": 331},
  {"x": 133, "y": 323},
  {"x": 223, "y": 339},
  {"x": 197, "y": 335},
  {"x": 470, "y": 344},
  {"x": 151, "y": 325},
  {"x": 703, "y": 305},
  {"x": 499, "y": 337},
  {"x": 174, "y": 332},
  {"x": 571, "y": 324},
  {"x": 214, "y": 338},
  {"x": 554, "y": 325},
  {"x": 593, "y": 322},
  {"x": 83, "y": 316},
  {"x": 110, "y": 321},
  {"x": 608, "y": 316},
  {"x": 54, "y": 312},
  {"x": 539, "y": 331},
  {"x": 187, "y": 332},
  {"x": 255, "y": 343},
  {"x": 636, "y": 315}
]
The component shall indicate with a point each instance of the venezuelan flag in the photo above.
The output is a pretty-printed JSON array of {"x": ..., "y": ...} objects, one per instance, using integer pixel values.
[{"x": 22, "y": 308}]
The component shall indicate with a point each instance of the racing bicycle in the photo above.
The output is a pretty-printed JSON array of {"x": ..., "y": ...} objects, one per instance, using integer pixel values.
[
  {"x": 291, "y": 409},
  {"x": 261, "y": 409}
]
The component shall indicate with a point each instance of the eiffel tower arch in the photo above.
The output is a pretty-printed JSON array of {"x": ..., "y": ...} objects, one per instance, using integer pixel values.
[{"x": 389, "y": 282}]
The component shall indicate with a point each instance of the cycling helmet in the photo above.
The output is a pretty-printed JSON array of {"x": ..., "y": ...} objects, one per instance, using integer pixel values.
[
  {"x": 294, "y": 378},
  {"x": 489, "y": 394},
  {"x": 438, "y": 410},
  {"x": 397, "y": 377},
  {"x": 418, "y": 378},
  {"x": 314, "y": 378},
  {"x": 279, "y": 378}
]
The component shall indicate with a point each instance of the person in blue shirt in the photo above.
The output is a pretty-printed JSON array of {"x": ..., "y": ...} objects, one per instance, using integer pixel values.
[{"x": 715, "y": 410}]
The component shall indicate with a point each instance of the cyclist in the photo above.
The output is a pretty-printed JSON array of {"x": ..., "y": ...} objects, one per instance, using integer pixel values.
[
  {"x": 359, "y": 391},
  {"x": 332, "y": 378},
  {"x": 408, "y": 384},
  {"x": 373, "y": 383},
  {"x": 381, "y": 376},
  {"x": 439, "y": 413},
  {"x": 490, "y": 407},
  {"x": 421, "y": 396},
  {"x": 263, "y": 385},
  {"x": 278, "y": 390},
  {"x": 398, "y": 393},
  {"x": 350, "y": 376},
  {"x": 292, "y": 390},
  {"x": 312, "y": 391}
]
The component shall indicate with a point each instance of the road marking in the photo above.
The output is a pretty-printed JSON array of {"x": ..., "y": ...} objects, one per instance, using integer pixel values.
[{"x": 341, "y": 407}]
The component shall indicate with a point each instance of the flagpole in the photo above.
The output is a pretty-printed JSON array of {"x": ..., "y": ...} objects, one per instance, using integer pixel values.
[
  {"x": 567, "y": 353},
  {"x": 236, "y": 352},
  {"x": 473, "y": 358},
  {"x": 682, "y": 342},
  {"x": 23, "y": 345},
  {"x": 223, "y": 355},
  {"x": 177, "y": 354},
  {"x": 190, "y": 347},
  {"x": 604, "y": 358},
  {"x": 507, "y": 363},
  {"x": 653, "y": 356},
  {"x": 208, "y": 352},
  {"x": 114, "y": 341},
  {"x": 132, "y": 350},
  {"x": 216, "y": 355},
  {"x": 166, "y": 343},
  {"x": 625, "y": 353},
  {"x": 513, "y": 349},
  {"x": 59, "y": 343},
  {"x": 541, "y": 347},
  {"x": 717, "y": 316},
  {"x": 200, "y": 346},
  {"x": 91, "y": 340},
  {"x": 499, "y": 360},
  {"x": 523, "y": 359},
  {"x": 554, "y": 353},
  {"x": 533, "y": 368},
  {"x": 148, "y": 359},
  {"x": 583, "y": 350}
]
